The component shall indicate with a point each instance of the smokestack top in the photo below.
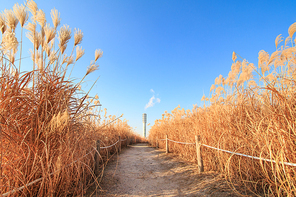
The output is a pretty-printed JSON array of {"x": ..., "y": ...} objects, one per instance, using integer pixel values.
[{"x": 144, "y": 118}]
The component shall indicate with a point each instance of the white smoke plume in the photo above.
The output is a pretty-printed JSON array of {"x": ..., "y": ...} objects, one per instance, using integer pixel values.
[{"x": 152, "y": 100}]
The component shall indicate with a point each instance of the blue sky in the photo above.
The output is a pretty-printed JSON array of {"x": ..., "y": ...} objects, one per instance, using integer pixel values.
[{"x": 167, "y": 49}]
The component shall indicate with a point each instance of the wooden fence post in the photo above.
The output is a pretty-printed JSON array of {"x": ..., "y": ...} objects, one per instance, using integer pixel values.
[
  {"x": 198, "y": 153},
  {"x": 97, "y": 158},
  {"x": 166, "y": 144},
  {"x": 157, "y": 143},
  {"x": 126, "y": 142},
  {"x": 119, "y": 148}
]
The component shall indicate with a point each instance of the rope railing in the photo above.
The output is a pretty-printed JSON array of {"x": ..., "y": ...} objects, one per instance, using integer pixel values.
[
  {"x": 240, "y": 154},
  {"x": 180, "y": 142},
  {"x": 39, "y": 179},
  {"x": 110, "y": 145},
  {"x": 253, "y": 157}
]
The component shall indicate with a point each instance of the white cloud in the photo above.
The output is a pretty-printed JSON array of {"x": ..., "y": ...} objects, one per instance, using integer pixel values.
[
  {"x": 152, "y": 100},
  {"x": 150, "y": 103},
  {"x": 157, "y": 100}
]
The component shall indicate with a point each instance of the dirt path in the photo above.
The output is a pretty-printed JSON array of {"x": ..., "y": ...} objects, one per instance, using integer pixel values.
[{"x": 143, "y": 171}]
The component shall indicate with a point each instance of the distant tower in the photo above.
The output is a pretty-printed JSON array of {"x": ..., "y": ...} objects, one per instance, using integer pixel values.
[{"x": 144, "y": 124}]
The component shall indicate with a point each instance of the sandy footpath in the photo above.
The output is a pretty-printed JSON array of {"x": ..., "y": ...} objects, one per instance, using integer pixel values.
[{"x": 144, "y": 171}]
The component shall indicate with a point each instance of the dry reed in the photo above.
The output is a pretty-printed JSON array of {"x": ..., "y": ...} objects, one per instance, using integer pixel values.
[
  {"x": 252, "y": 111},
  {"x": 46, "y": 128}
]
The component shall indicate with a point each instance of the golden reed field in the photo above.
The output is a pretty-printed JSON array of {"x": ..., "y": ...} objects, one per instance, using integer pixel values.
[
  {"x": 47, "y": 123},
  {"x": 251, "y": 111}
]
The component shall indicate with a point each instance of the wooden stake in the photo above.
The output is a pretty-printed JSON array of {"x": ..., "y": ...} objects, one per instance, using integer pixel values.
[
  {"x": 166, "y": 144},
  {"x": 198, "y": 153},
  {"x": 119, "y": 148},
  {"x": 97, "y": 158}
]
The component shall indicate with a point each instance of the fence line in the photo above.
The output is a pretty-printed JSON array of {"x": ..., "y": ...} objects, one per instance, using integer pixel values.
[
  {"x": 240, "y": 154},
  {"x": 180, "y": 142},
  {"x": 253, "y": 157},
  {"x": 37, "y": 180},
  {"x": 110, "y": 145}
]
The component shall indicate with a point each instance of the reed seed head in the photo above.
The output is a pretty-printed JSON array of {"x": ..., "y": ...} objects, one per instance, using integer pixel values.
[
  {"x": 70, "y": 60},
  {"x": 233, "y": 56},
  {"x": 40, "y": 18},
  {"x": 63, "y": 48},
  {"x": 9, "y": 41},
  {"x": 36, "y": 39},
  {"x": 21, "y": 13},
  {"x": 31, "y": 27},
  {"x": 52, "y": 57},
  {"x": 49, "y": 33},
  {"x": 11, "y": 20},
  {"x": 287, "y": 40},
  {"x": 78, "y": 35},
  {"x": 278, "y": 40},
  {"x": 92, "y": 68},
  {"x": 98, "y": 54},
  {"x": 79, "y": 52},
  {"x": 64, "y": 35},
  {"x": 32, "y": 8},
  {"x": 55, "y": 16},
  {"x": 203, "y": 98},
  {"x": 2, "y": 23},
  {"x": 212, "y": 88},
  {"x": 292, "y": 30}
]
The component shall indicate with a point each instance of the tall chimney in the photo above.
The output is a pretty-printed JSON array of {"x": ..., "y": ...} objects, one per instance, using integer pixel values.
[{"x": 144, "y": 124}]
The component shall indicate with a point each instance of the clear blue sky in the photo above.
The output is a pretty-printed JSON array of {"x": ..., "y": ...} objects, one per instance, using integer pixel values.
[{"x": 175, "y": 48}]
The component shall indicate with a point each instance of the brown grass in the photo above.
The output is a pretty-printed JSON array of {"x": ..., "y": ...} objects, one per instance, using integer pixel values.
[
  {"x": 46, "y": 126},
  {"x": 252, "y": 111}
]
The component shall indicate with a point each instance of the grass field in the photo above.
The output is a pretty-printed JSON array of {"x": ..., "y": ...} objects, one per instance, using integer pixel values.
[
  {"x": 251, "y": 111},
  {"x": 47, "y": 122}
]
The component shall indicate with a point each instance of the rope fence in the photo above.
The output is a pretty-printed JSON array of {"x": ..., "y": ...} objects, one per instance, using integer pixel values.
[
  {"x": 180, "y": 142},
  {"x": 110, "y": 145},
  {"x": 199, "y": 159},
  {"x": 39, "y": 179},
  {"x": 253, "y": 157}
]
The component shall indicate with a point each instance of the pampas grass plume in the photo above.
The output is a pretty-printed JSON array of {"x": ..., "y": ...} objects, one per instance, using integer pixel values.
[
  {"x": 55, "y": 16},
  {"x": 40, "y": 18},
  {"x": 79, "y": 52},
  {"x": 98, "y": 54},
  {"x": 11, "y": 20},
  {"x": 21, "y": 13},
  {"x": 32, "y": 8},
  {"x": 278, "y": 40},
  {"x": 292, "y": 30},
  {"x": 64, "y": 35},
  {"x": 91, "y": 68},
  {"x": 78, "y": 35}
]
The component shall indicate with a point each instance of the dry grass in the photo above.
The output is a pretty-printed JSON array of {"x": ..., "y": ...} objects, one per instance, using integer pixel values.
[
  {"x": 252, "y": 111},
  {"x": 46, "y": 127}
]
